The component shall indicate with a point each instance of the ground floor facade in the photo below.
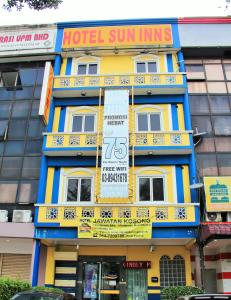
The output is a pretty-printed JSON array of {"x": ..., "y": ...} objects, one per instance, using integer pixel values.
[{"x": 116, "y": 272}]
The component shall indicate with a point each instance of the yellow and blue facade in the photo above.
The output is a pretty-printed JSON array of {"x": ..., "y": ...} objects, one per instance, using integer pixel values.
[{"x": 142, "y": 57}]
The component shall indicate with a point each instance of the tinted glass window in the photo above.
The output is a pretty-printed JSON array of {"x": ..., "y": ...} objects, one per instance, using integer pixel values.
[
  {"x": 152, "y": 67},
  {"x": 5, "y": 107},
  {"x": 31, "y": 166},
  {"x": 154, "y": 122},
  {"x": 199, "y": 104},
  {"x": 89, "y": 123},
  {"x": 144, "y": 189},
  {"x": 8, "y": 191},
  {"x": 142, "y": 122},
  {"x": 77, "y": 124},
  {"x": 72, "y": 189},
  {"x": 28, "y": 191},
  {"x": 28, "y": 76},
  {"x": 202, "y": 124},
  {"x": 194, "y": 68},
  {"x": 21, "y": 109},
  {"x": 219, "y": 104},
  {"x": 141, "y": 67},
  {"x": 222, "y": 125},
  {"x": 40, "y": 74},
  {"x": 85, "y": 193},
  {"x": 35, "y": 128},
  {"x": 25, "y": 93},
  {"x": 158, "y": 189},
  {"x": 14, "y": 148},
  {"x": 33, "y": 147},
  {"x": 92, "y": 69},
  {"x": 17, "y": 129},
  {"x": 35, "y": 108},
  {"x": 11, "y": 167},
  {"x": 82, "y": 69}
]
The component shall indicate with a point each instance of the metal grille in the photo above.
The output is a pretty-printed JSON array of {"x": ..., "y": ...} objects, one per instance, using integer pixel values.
[{"x": 172, "y": 272}]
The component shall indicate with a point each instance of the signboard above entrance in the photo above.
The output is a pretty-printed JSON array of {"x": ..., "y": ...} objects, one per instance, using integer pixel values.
[
  {"x": 117, "y": 36},
  {"x": 137, "y": 264}
]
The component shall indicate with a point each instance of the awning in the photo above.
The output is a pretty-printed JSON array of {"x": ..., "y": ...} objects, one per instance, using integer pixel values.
[{"x": 215, "y": 229}]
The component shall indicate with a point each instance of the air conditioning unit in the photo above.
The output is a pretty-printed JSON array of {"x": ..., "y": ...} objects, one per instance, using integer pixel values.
[
  {"x": 213, "y": 217},
  {"x": 22, "y": 216},
  {"x": 228, "y": 216},
  {"x": 3, "y": 216}
]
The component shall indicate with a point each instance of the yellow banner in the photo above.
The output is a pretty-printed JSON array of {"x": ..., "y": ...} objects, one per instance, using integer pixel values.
[
  {"x": 218, "y": 193},
  {"x": 115, "y": 228},
  {"x": 117, "y": 36}
]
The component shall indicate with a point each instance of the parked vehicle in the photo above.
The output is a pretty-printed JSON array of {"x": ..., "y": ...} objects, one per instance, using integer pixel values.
[
  {"x": 35, "y": 295},
  {"x": 206, "y": 297}
]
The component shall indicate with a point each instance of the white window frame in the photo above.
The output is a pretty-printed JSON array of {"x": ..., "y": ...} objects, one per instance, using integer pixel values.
[
  {"x": 79, "y": 192},
  {"x": 146, "y": 66},
  {"x": 87, "y": 68},
  {"x": 149, "y": 122},
  {"x": 83, "y": 123},
  {"x": 151, "y": 188}
]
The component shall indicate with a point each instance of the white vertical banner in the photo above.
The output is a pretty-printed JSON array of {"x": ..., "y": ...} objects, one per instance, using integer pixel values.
[{"x": 115, "y": 148}]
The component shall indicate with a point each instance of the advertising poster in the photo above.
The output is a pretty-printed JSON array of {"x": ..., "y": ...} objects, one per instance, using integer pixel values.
[
  {"x": 218, "y": 193},
  {"x": 115, "y": 228},
  {"x": 115, "y": 147}
]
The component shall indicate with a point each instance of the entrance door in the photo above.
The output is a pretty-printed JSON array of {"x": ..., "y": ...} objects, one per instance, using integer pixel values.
[
  {"x": 137, "y": 284},
  {"x": 210, "y": 281},
  {"x": 101, "y": 278}
]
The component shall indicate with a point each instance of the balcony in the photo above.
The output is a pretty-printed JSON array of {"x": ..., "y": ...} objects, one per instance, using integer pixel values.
[
  {"x": 147, "y": 143},
  {"x": 161, "y": 83},
  {"x": 163, "y": 215}
]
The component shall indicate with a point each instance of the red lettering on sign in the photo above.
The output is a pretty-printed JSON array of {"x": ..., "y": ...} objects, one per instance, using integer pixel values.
[
  {"x": 157, "y": 34},
  {"x": 67, "y": 37},
  {"x": 167, "y": 34},
  {"x": 148, "y": 34},
  {"x": 112, "y": 36},
  {"x": 76, "y": 37},
  {"x": 100, "y": 38},
  {"x": 131, "y": 35},
  {"x": 92, "y": 38}
]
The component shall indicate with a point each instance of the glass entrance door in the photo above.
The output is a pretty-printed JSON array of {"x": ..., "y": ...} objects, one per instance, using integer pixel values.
[{"x": 101, "y": 280}]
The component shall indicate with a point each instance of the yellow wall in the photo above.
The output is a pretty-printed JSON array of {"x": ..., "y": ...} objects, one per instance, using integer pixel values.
[
  {"x": 163, "y": 109},
  {"x": 133, "y": 253},
  {"x": 120, "y": 64}
]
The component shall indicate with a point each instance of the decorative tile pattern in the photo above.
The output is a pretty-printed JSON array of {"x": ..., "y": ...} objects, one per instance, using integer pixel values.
[
  {"x": 88, "y": 212},
  {"x": 57, "y": 140},
  {"x": 142, "y": 212},
  {"x": 158, "y": 139},
  {"x": 124, "y": 80},
  {"x": 176, "y": 139},
  {"x": 90, "y": 139},
  {"x": 155, "y": 79},
  {"x": 109, "y": 80},
  {"x": 69, "y": 213},
  {"x": 106, "y": 213},
  {"x": 141, "y": 139},
  {"x": 94, "y": 81},
  {"x": 51, "y": 213},
  {"x": 139, "y": 79},
  {"x": 161, "y": 213},
  {"x": 79, "y": 81},
  {"x": 74, "y": 139},
  {"x": 65, "y": 82},
  {"x": 180, "y": 213},
  {"x": 124, "y": 212},
  {"x": 171, "y": 79}
]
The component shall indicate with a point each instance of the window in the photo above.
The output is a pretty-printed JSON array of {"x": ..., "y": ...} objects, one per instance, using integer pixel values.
[
  {"x": 151, "y": 189},
  {"x": 222, "y": 125},
  {"x": 146, "y": 67},
  {"x": 194, "y": 68},
  {"x": 79, "y": 189},
  {"x": 227, "y": 68},
  {"x": 83, "y": 123},
  {"x": 219, "y": 104},
  {"x": 87, "y": 69},
  {"x": 11, "y": 80},
  {"x": 172, "y": 272},
  {"x": 199, "y": 104},
  {"x": 148, "y": 122}
]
